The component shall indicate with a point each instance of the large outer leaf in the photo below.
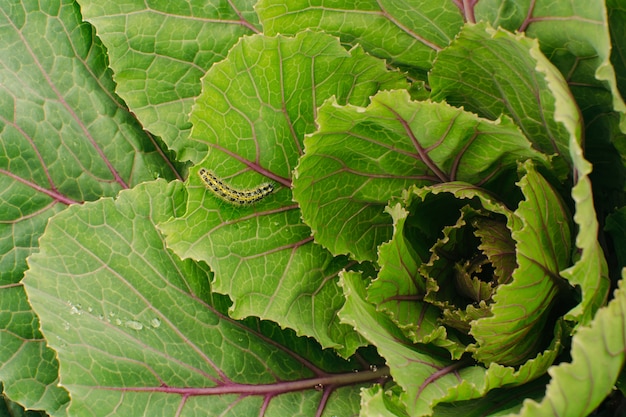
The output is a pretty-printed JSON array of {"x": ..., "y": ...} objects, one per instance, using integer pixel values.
[
  {"x": 255, "y": 108},
  {"x": 406, "y": 34},
  {"x": 590, "y": 270},
  {"x": 598, "y": 355},
  {"x": 138, "y": 331},
  {"x": 64, "y": 138},
  {"x": 359, "y": 158},
  {"x": 574, "y": 36},
  {"x": 160, "y": 50},
  {"x": 493, "y": 72}
]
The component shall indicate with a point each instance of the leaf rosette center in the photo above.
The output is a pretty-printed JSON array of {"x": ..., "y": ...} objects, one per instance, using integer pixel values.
[
  {"x": 489, "y": 275},
  {"x": 467, "y": 265}
]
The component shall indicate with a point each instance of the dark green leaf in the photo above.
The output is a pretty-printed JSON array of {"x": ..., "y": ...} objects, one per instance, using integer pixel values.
[
  {"x": 139, "y": 332},
  {"x": 160, "y": 50},
  {"x": 493, "y": 72},
  {"x": 65, "y": 138},
  {"x": 406, "y": 34}
]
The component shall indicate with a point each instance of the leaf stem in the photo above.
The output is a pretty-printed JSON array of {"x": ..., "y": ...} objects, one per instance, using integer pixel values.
[{"x": 320, "y": 383}]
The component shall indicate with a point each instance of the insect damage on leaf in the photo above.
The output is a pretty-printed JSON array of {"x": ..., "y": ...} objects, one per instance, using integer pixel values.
[{"x": 233, "y": 195}]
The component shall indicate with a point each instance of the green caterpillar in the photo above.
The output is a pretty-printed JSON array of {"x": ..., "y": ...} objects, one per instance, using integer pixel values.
[{"x": 233, "y": 195}]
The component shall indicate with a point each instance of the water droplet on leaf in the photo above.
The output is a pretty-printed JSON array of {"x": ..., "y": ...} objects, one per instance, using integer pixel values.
[
  {"x": 75, "y": 309},
  {"x": 132, "y": 324}
]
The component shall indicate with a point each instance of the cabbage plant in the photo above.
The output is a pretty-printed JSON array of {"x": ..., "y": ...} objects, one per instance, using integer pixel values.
[{"x": 316, "y": 208}]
